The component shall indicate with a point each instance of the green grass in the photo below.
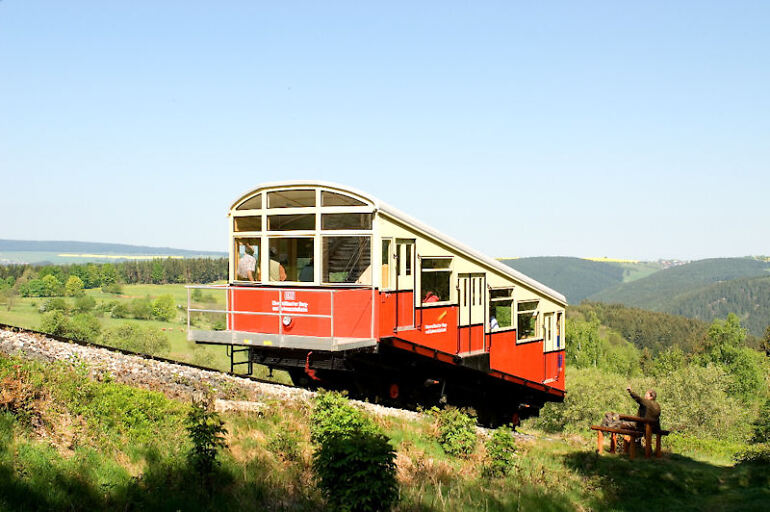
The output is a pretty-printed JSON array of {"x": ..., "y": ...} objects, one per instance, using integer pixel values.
[
  {"x": 25, "y": 313},
  {"x": 85, "y": 445}
]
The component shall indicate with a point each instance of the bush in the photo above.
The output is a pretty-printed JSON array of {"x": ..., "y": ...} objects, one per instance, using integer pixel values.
[
  {"x": 762, "y": 424},
  {"x": 333, "y": 415},
  {"x": 137, "y": 339},
  {"x": 456, "y": 431},
  {"x": 354, "y": 462},
  {"x": 754, "y": 454},
  {"x": 85, "y": 304},
  {"x": 285, "y": 444},
  {"x": 54, "y": 304},
  {"x": 141, "y": 309},
  {"x": 120, "y": 310},
  {"x": 357, "y": 471},
  {"x": 163, "y": 308},
  {"x": 113, "y": 288},
  {"x": 85, "y": 327},
  {"x": 501, "y": 450},
  {"x": 56, "y": 323}
]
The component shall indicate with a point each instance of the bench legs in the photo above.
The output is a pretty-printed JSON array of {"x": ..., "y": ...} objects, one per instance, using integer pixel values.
[
  {"x": 613, "y": 442},
  {"x": 657, "y": 447},
  {"x": 600, "y": 442}
]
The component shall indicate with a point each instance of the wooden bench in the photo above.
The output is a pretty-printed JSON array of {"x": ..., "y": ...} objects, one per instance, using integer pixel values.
[{"x": 630, "y": 436}]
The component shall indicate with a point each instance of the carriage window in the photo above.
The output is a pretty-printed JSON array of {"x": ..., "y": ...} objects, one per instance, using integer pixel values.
[
  {"x": 527, "y": 319},
  {"x": 291, "y": 259},
  {"x": 247, "y": 252},
  {"x": 385, "y": 264},
  {"x": 334, "y": 199},
  {"x": 291, "y": 222},
  {"x": 347, "y": 259},
  {"x": 291, "y": 199},
  {"x": 408, "y": 258},
  {"x": 346, "y": 221},
  {"x": 253, "y": 203},
  {"x": 247, "y": 224},
  {"x": 435, "y": 275},
  {"x": 500, "y": 308}
]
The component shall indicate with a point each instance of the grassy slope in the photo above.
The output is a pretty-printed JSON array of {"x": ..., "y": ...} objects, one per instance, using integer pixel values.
[
  {"x": 85, "y": 445},
  {"x": 25, "y": 314}
]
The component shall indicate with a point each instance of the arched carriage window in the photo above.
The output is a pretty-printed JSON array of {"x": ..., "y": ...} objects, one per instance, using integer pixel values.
[{"x": 309, "y": 235}]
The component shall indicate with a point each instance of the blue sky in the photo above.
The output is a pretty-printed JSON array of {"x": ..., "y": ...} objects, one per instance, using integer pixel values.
[{"x": 630, "y": 130}]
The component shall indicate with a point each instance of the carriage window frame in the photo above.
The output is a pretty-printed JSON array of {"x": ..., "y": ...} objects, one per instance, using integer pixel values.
[
  {"x": 534, "y": 313},
  {"x": 298, "y": 205},
  {"x": 508, "y": 297},
  {"x": 254, "y": 241},
  {"x": 324, "y": 263},
  {"x": 278, "y": 239},
  {"x": 446, "y": 268}
]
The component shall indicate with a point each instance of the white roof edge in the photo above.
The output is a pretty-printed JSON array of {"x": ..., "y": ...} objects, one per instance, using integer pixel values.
[
  {"x": 491, "y": 262},
  {"x": 407, "y": 219}
]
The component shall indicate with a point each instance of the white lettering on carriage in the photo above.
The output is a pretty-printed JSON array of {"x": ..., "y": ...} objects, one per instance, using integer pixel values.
[
  {"x": 435, "y": 328},
  {"x": 290, "y": 306}
]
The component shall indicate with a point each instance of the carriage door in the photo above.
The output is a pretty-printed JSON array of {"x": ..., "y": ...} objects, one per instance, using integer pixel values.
[
  {"x": 405, "y": 262},
  {"x": 471, "y": 292}
]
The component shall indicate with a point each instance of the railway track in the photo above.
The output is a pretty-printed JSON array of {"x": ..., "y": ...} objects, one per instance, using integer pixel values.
[{"x": 73, "y": 341}]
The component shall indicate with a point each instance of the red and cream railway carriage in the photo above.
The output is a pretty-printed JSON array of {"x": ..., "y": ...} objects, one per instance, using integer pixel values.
[{"x": 345, "y": 291}]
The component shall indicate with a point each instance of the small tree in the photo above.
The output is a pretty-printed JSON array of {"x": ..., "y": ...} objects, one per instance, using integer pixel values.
[
  {"x": 85, "y": 304},
  {"x": 207, "y": 432},
  {"x": 74, "y": 287},
  {"x": 163, "y": 308},
  {"x": 52, "y": 287}
]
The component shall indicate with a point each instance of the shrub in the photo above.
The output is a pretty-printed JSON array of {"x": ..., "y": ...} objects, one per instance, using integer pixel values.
[
  {"x": 113, "y": 288},
  {"x": 354, "y": 462},
  {"x": 85, "y": 304},
  {"x": 120, "y": 310},
  {"x": 54, "y": 304},
  {"x": 357, "y": 471},
  {"x": 163, "y": 308},
  {"x": 333, "y": 415},
  {"x": 207, "y": 434},
  {"x": 137, "y": 339},
  {"x": 501, "y": 450},
  {"x": 754, "y": 454},
  {"x": 456, "y": 431},
  {"x": 56, "y": 323},
  {"x": 285, "y": 444},
  {"x": 85, "y": 327},
  {"x": 762, "y": 424},
  {"x": 141, "y": 309}
]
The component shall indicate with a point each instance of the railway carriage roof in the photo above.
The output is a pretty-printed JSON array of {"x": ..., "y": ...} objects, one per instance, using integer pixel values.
[{"x": 402, "y": 217}]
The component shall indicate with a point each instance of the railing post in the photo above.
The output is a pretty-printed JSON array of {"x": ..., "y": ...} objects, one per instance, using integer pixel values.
[
  {"x": 331, "y": 318},
  {"x": 280, "y": 313},
  {"x": 371, "y": 331},
  {"x": 188, "y": 313}
]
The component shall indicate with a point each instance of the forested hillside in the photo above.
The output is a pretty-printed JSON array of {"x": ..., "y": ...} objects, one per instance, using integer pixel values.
[
  {"x": 576, "y": 278},
  {"x": 649, "y": 330},
  {"x": 96, "y": 247},
  {"x": 702, "y": 289},
  {"x": 749, "y": 298}
]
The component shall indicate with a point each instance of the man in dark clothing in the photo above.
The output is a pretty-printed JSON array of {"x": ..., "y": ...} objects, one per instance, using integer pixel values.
[{"x": 649, "y": 409}]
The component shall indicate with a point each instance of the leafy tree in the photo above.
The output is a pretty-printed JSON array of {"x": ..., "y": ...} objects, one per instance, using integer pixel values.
[
  {"x": 120, "y": 310},
  {"x": 158, "y": 272},
  {"x": 164, "y": 308},
  {"x": 456, "y": 431},
  {"x": 84, "y": 327},
  {"x": 55, "y": 304},
  {"x": 74, "y": 286},
  {"x": 93, "y": 276},
  {"x": 766, "y": 341},
  {"x": 52, "y": 287},
  {"x": 762, "y": 424},
  {"x": 56, "y": 323},
  {"x": 583, "y": 346},
  {"x": 109, "y": 275}
]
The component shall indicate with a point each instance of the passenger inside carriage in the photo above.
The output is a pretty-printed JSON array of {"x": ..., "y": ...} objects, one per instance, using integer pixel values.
[
  {"x": 430, "y": 297},
  {"x": 247, "y": 264}
]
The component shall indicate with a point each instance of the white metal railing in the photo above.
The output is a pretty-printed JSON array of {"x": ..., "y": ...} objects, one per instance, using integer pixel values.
[{"x": 282, "y": 312}]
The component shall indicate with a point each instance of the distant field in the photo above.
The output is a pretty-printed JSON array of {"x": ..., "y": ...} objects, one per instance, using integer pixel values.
[
  {"x": 63, "y": 258},
  {"x": 25, "y": 313}
]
